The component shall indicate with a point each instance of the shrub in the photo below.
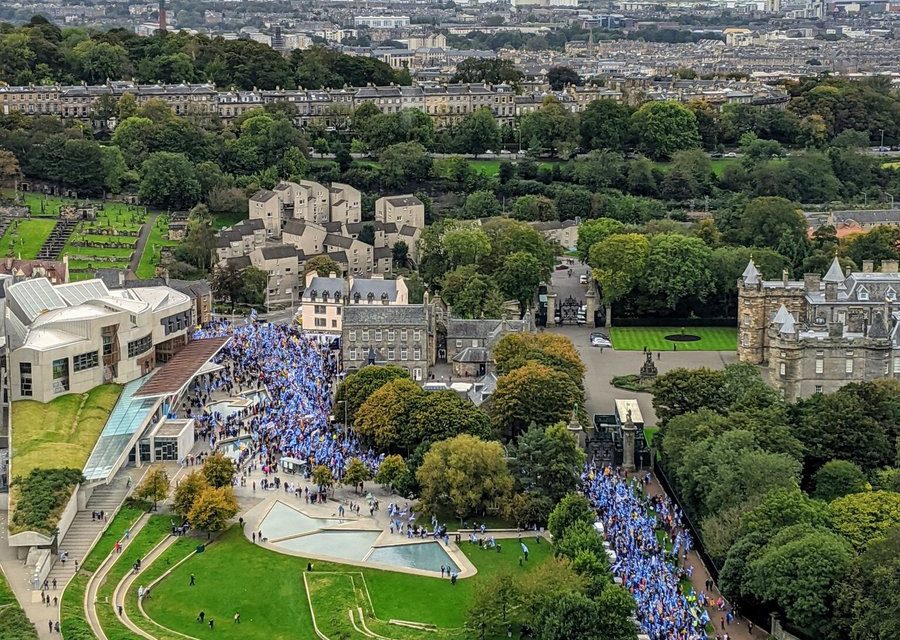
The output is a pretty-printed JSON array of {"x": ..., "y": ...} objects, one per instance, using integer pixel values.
[{"x": 40, "y": 498}]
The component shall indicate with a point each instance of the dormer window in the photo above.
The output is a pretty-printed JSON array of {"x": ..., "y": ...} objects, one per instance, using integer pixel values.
[
  {"x": 862, "y": 294},
  {"x": 313, "y": 293},
  {"x": 337, "y": 296},
  {"x": 356, "y": 297},
  {"x": 890, "y": 294},
  {"x": 325, "y": 296},
  {"x": 384, "y": 298},
  {"x": 370, "y": 297}
]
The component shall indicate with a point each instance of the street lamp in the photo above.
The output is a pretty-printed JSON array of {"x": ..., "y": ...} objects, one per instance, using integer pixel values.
[{"x": 344, "y": 402}]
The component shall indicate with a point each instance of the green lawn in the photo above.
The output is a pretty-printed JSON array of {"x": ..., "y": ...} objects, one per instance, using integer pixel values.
[
  {"x": 47, "y": 436},
  {"x": 654, "y": 338},
  {"x": 154, "y": 532},
  {"x": 25, "y": 237},
  {"x": 150, "y": 258},
  {"x": 235, "y": 575},
  {"x": 649, "y": 434}
]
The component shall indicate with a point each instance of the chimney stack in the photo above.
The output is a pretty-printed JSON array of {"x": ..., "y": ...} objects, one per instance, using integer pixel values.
[
  {"x": 889, "y": 266},
  {"x": 784, "y": 277},
  {"x": 831, "y": 292},
  {"x": 162, "y": 15},
  {"x": 812, "y": 282},
  {"x": 868, "y": 266}
]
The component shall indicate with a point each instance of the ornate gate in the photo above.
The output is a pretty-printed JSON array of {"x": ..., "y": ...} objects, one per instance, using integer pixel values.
[{"x": 567, "y": 311}]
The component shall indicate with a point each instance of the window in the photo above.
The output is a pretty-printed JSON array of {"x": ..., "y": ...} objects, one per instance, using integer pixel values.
[
  {"x": 820, "y": 367},
  {"x": 391, "y": 335},
  {"x": 417, "y": 354},
  {"x": 848, "y": 365},
  {"x": 475, "y": 343},
  {"x": 391, "y": 354},
  {"x": 417, "y": 374},
  {"x": 417, "y": 334},
  {"x": 896, "y": 364},
  {"x": 782, "y": 368},
  {"x": 320, "y": 309},
  {"x": 818, "y": 388},
  {"x": 321, "y": 322},
  {"x": 334, "y": 324},
  {"x": 60, "y": 375},
  {"x": 890, "y": 294},
  {"x": 365, "y": 335},
  {"x": 863, "y": 294},
  {"x": 351, "y": 336},
  {"x": 459, "y": 344},
  {"x": 404, "y": 335},
  {"x": 177, "y": 322},
  {"x": 107, "y": 345},
  {"x": 404, "y": 353},
  {"x": 377, "y": 335},
  {"x": 25, "y": 379},
  {"x": 139, "y": 346},
  {"x": 84, "y": 361},
  {"x": 352, "y": 354}
]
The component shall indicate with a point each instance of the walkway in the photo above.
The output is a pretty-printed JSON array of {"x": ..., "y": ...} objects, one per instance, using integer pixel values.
[
  {"x": 90, "y": 596},
  {"x": 84, "y": 530},
  {"x": 127, "y": 583},
  {"x": 738, "y": 629},
  {"x": 146, "y": 228}
]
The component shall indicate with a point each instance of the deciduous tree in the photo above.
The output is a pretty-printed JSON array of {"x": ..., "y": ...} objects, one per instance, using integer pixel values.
[
  {"x": 218, "y": 469},
  {"x": 191, "y": 486},
  {"x": 213, "y": 508},
  {"x": 383, "y": 418},
  {"x": 533, "y": 393},
  {"x": 155, "y": 486},
  {"x": 464, "y": 473}
]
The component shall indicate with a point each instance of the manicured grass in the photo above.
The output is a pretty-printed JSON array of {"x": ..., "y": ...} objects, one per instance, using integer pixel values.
[
  {"x": 48, "y": 436},
  {"x": 654, "y": 338},
  {"x": 14, "y": 624},
  {"x": 649, "y": 434},
  {"x": 73, "y": 624},
  {"x": 25, "y": 237},
  {"x": 150, "y": 258},
  {"x": 267, "y": 589},
  {"x": 154, "y": 532}
]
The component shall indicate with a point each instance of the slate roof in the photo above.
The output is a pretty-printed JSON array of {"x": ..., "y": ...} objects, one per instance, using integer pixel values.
[
  {"x": 376, "y": 286},
  {"x": 263, "y": 195},
  {"x": 362, "y": 315}
]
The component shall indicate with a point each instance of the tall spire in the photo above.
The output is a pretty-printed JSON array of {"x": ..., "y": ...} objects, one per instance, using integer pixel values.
[{"x": 835, "y": 273}]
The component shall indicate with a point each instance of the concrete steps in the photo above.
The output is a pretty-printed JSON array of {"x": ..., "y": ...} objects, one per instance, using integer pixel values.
[{"x": 84, "y": 530}]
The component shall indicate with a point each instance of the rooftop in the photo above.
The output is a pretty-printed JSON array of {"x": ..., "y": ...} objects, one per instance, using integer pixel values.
[{"x": 175, "y": 375}]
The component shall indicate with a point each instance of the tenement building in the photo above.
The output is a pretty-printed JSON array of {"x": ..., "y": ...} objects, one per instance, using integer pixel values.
[{"x": 820, "y": 333}]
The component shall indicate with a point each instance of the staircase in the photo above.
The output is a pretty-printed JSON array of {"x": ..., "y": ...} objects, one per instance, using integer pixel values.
[
  {"x": 84, "y": 530},
  {"x": 56, "y": 241}
]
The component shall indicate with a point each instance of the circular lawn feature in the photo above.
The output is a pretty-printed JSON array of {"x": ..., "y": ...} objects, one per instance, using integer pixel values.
[{"x": 682, "y": 337}]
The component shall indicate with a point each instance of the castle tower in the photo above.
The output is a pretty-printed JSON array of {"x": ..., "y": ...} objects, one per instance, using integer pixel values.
[{"x": 758, "y": 303}]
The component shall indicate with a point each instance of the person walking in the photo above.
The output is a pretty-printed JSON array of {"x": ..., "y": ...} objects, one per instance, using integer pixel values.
[{"x": 193, "y": 580}]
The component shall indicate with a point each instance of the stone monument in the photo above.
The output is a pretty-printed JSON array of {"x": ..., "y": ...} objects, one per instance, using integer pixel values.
[
  {"x": 628, "y": 431},
  {"x": 648, "y": 369},
  {"x": 575, "y": 428}
]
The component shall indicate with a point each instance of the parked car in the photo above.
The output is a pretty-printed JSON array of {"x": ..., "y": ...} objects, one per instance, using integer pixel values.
[
  {"x": 583, "y": 279},
  {"x": 600, "y": 340}
]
